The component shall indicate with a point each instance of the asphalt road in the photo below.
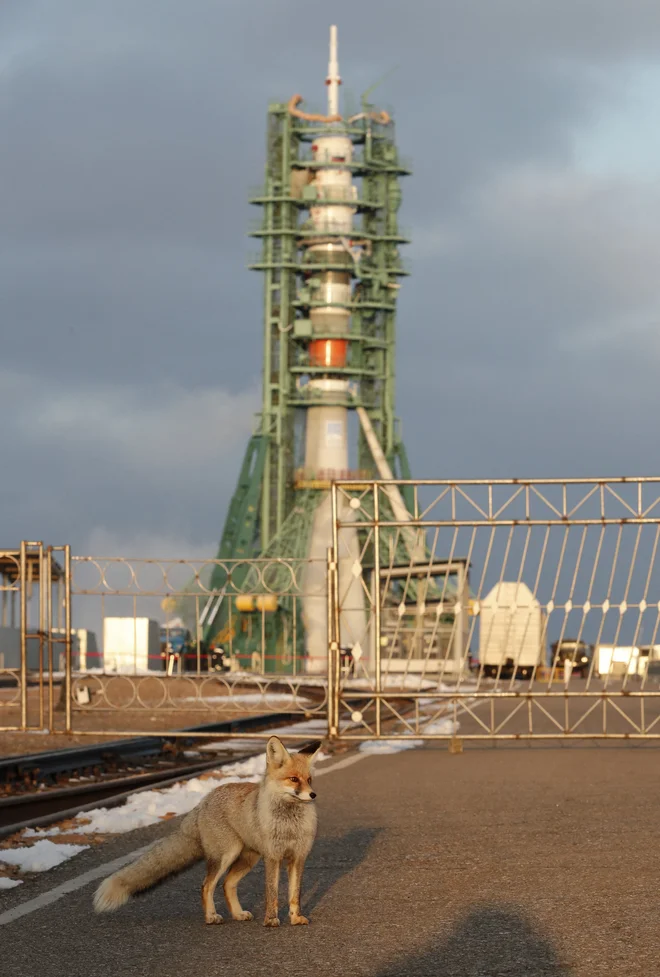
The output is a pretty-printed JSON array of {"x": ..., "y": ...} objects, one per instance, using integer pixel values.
[{"x": 499, "y": 862}]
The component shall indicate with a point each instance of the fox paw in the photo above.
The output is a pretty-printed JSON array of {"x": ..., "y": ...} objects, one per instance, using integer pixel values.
[
  {"x": 214, "y": 919},
  {"x": 271, "y": 921},
  {"x": 243, "y": 916},
  {"x": 299, "y": 920}
]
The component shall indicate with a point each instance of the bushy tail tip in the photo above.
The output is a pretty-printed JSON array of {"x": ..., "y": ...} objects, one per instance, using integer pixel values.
[{"x": 110, "y": 895}]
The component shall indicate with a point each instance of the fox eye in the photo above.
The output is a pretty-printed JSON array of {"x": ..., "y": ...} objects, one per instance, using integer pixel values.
[{"x": 294, "y": 780}]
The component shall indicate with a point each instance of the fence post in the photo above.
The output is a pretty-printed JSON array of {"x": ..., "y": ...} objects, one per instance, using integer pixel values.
[
  {"x": 377, "y": 604},
  {"x": 24, "y": 625},
  {"x": 67, "y": 637},
  {"x": 332, "y": 645},
  {"x": 333, "y": 621},
  {"x": 48, "y": 584}
]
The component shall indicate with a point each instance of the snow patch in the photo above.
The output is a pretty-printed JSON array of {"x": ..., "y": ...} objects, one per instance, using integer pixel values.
[
  {"x": 392, "y": 682},
  {"x": 313, "y": 727},
  {"x": 442, "y": 727},
  {"x": 150, "y": 806},
  {"x": 6, "y": 883},
  {"x": 389, "y": 746},
  {"x": 247, "y": 698},
  {"x": 41, "y": 857}
]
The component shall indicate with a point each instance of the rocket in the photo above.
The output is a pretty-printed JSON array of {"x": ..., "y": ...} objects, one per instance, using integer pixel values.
[{"x": 326, "y": 437}]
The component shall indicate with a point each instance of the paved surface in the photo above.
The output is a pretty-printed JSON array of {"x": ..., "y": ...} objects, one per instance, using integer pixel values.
[{"x": 500, "y": 862}]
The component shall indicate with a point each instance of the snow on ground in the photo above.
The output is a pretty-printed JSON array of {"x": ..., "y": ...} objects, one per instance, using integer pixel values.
[
  {"x": 391, "y": 682},
  {"x": 442, "y": 727},
  {"x": 41, "y": 856},
  {"x": 314, "y": 727},
  {"x": 413, "y": 681},
  {"x": 240, "y": 677},
  {"x": 151, "y": 806},
  {"x": 259, "y": 698},
  {"x": 6, "y": 883},
  {"x": 389, "y": 746}
]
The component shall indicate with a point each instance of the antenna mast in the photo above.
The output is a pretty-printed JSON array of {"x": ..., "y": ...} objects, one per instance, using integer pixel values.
[{"x": 333, "y": 81}]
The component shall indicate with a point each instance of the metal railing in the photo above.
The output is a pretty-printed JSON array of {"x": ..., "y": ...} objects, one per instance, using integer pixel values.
[
  {"x": 499, "y": 610},
  {"x": 171, "y": 642},
  {"x": 239, "y": 645},
  {"x": 36, "y": 631},
  {"x": 510, "y": 609}
]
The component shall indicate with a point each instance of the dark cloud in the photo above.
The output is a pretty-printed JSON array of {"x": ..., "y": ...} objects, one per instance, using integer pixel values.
[{"x": 132, "y": 134}]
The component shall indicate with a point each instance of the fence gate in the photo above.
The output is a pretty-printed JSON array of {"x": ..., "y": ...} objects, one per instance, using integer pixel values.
[
  {"x": 35, "y": 638},
  {"x": 499, "y": 610}
]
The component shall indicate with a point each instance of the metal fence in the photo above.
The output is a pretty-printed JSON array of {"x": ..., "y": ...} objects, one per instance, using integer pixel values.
[
  {"x": 501, "y": 610},
  {"x": 152, "y": 644},
  {"x": 240, "y": 651},
  {"x": 508, "y": 610}
]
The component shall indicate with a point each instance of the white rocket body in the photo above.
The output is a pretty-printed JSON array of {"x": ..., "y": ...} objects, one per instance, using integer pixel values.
[{"x": 326, "y": 445}]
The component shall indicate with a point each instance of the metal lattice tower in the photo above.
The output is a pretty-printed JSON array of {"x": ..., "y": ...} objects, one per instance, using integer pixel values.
[{"x": 331, "y": 265}]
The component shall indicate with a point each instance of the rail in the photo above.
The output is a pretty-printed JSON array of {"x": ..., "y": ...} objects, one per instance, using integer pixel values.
[{"x": 104, "y": 761}]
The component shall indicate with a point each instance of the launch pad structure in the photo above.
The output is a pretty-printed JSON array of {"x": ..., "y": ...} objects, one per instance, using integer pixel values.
[{"x": 332, "y": 268}]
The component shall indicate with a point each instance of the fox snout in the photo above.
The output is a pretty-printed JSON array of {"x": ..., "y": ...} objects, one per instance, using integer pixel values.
[{"x": 301, "y": 794}]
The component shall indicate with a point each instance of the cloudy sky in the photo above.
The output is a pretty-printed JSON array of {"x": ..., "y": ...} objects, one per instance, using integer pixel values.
[{"x": 131, "y": 133}]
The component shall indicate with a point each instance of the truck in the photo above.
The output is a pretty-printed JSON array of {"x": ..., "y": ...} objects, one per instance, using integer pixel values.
[
  {"x": 176, "y": 645},
  {"x": 570, "y": 649},
  {"x": 512, "y": 631},
  {"x": 179, "y": 651}
]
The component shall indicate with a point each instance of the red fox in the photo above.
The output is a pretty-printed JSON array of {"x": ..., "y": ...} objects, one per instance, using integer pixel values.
[{"x": 232, "y": 828}]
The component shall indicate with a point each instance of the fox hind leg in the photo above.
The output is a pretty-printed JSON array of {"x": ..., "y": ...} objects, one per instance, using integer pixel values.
[
  {"x": 214, "y": 870},
  {"x": 240, "y": 868}
]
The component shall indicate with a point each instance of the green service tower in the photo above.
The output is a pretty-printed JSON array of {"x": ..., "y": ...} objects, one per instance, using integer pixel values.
[{"x": 331, "y": 266}]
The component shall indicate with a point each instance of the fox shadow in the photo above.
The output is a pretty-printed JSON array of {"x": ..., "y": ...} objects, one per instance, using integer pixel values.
[
  {"x": 490, "y": 941},
  {"x": 331, "y": 859}
]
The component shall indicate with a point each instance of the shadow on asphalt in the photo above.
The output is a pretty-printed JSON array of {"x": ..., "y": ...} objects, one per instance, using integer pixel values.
[
  {"x": 491, "y": 941},
  {"x": 332, "y": 859}
]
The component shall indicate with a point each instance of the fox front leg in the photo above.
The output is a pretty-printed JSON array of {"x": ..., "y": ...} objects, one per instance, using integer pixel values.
[
  {"x": 272, "y": 885},
  {"x": 296, "y": 866}
]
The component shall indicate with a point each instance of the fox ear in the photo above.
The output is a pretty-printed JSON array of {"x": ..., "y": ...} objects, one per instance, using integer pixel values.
[
  {"x": 311, "y": 750},
  {"x": 276, "y": 752}
]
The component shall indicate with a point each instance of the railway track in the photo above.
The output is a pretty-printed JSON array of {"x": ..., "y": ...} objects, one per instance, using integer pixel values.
[
  {"x": 30, "y": 770},
  {"x": 34, "y": 794},
  {"x": 26, "y": 806}
]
